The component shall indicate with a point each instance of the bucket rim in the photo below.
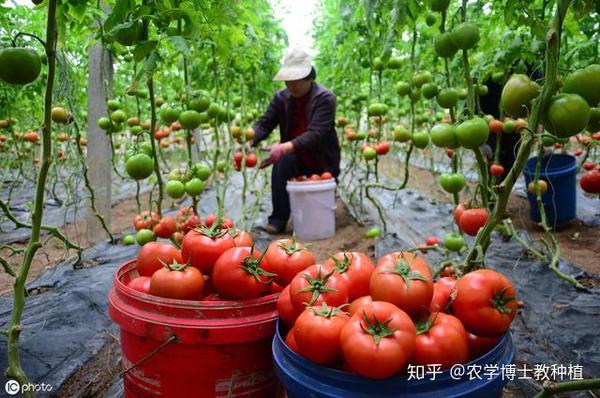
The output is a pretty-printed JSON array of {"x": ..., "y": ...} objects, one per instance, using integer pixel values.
[
  {"x": 122, "y": 288},
  {"x": 529, "y": 169}
]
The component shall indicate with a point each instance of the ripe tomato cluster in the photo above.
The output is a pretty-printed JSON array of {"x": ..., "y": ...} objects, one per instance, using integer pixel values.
[
  {"x": 313, "y": 177},
  {"x": 375, "y": 319}
]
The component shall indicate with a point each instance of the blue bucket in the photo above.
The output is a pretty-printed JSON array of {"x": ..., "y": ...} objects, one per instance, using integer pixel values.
[
  {"x": 560, "y": 200},
  {"x": 302, "y": 378}
]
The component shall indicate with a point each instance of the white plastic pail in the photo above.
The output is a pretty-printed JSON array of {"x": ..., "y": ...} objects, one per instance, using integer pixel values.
[{"x": 313, "y": 209}]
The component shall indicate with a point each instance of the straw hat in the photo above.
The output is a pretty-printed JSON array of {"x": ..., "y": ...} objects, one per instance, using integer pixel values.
[{"x": 296, "y": 66}]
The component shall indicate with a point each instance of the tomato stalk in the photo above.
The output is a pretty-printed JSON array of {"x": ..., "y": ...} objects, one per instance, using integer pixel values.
[
  {"x": 482, "y": 239},
  {"x": 377, "y": 329},
  {"x": 500, "y": 300},
  {"x": 317, "y": 285},
  {"x": 155, "y": 152},
  {"x": 552, "y": 388},
  {"x": 402, "y": 269},
  {"x": 252, "y": 266},
  {"x": 424, "y": 326},
  {"x": 14, "y": 370}
]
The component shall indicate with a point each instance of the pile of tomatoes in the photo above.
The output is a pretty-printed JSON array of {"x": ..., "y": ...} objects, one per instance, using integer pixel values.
[
  {"x": 313, "y": 177},
  {"x": 375, "y": 319}
]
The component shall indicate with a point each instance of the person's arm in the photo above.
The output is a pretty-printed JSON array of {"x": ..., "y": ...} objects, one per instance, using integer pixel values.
[
  {"x": 267, "y": 122},
  {"x": 324, "y": 114}
]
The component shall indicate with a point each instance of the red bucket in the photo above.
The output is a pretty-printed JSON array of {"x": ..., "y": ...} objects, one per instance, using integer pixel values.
[{"x": 179, "y": 348}]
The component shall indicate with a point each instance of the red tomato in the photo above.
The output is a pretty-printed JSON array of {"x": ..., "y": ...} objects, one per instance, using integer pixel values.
[
  {"x": 355, "y": 268},
  {"x": 152, "y": 256},
  {"x": 589, "y": 166},
  {"x": 166, "y": 227},
  {"x": 251, "y": 160},
  {"x": 358, "y": 304},
  {"x": 187, "y": 219},
  {"x": 290, "y": 341},
  {"x": 237, "y": 157},
  {"x": 317, "y": 333},
  {"x": 146, "y": 220},
  {"x": 590, "y": 181},
  {"x": 441, "y": 339},
  {"x": 202, "y": 247},
  {"x": 495, "y": 126},
  {"x": 458, "y": 212},
  {"x": 286, "y": 257},
  {"x": 141, "y": 284},
  {"x": 596, "y": 136},
  {"x": 472, "y": 220},
  {"x": 432, "y": 241},
  {"x": 317, "y": 285},
  {"x": 442, "y": 289},
  {"x": 31, "y": 136},
  {"x": 239, "y": 273},
  {"x": 497, "y": 170},
  {"x": 241, "y": 238},
  {"x": 326, "y": 176},
  {"x": 449, "y": 152},
  {"x": 485, "y": 302},
  {"x": 287, "y": 312},
  {"x": 225, "y": 222},
  {"x": 178, "y": 282},
  {"x": 176, "y": 126},
  {"x": 379, "y": 341},
  {"x": 382, "y": 148},
  {"x": 403, "y": 279},
  {"x": 479, "y": 346},
  {"x": 578, "y": 152},
  {"x": 314, "y": 177},
  {"x": 301, "y": 178}
]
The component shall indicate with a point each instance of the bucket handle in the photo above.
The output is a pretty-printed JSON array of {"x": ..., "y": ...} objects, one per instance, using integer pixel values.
[{"x": 155, "y": 351}]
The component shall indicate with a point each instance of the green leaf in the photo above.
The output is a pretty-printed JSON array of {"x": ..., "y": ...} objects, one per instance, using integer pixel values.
[
  {"x": 142, "y": 49},
  {"x": 180, "y": 44},
  {"x": 119, "y": 13},
  {"x": 148, "y": 68}
]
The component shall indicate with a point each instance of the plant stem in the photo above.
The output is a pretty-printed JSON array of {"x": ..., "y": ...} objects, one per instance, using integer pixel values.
[
  {"x": 159, "y": 181},
  {"x": 14, "y": 370},
  {"x": 551, "y": 388}
]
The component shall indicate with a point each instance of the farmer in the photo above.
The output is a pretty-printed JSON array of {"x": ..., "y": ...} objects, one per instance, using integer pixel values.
[{"x": 305, "y": 113}]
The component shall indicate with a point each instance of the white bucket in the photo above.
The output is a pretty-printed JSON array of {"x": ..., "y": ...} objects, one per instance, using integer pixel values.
[{"x": 313, "y": 209}]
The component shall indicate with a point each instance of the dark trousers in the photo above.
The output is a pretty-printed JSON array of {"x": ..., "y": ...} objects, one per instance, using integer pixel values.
[{"x": 287, "y": 167}]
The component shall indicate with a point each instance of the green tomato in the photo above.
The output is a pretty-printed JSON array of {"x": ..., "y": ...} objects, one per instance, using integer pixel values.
[
  {"x": 200, "y": 104},
  {"x": 175, "y": 189},
  {"x": 104, "y": 123},
  {"x": 369, "y": 153},
  {"x": 19, "y": 65},
  {"x": 465, "y": 36},
  {"x": 361, "y": 135},
  {"x": 201, "y": 171},
  {"x": 118, "y": 116},
  {"x": 462, "y": 94},
  {"x": 373, "y": 233},
  {"x": 402, "y": 88},
  {"x": 421, "y": 78},
  {"x": 567, "y": 115},
  {"x": 517, "y": 94},
  {"x": 452, "y": 183},
  {"x": 113, "y": 104},
  {"x": 128, "y": 240},
  {"x": 401, "y": 134},
  {"x": 548, "y": 140},
  {"x": 454, "y": 241},
  {"x": 585, "y": 82},
  {"x": 144, "y": 236},
  {"x": 473, "y": 133},
  {"x": 135, "y": 130},
  {"x": 213, "y": 110},
  {"x": 222, "y": 166},
  {"x": 169, "y": 115},
  {"x": 377, "y": 109},
  {"x": 508, "y": 127},
  {"x": 444, "y": 136},
  {"x": 139, "y": 166},
  {"x": 190, "y": 120},
  {"x": 498, "y": 77},
  {"x": 420, "y": 139},
  {"x": 378, "y": 63},
  {"x": 430, "y": 19},
  {"x": 394, "y": 63},
  {"x": 429, "y": 90},
  {"x": 447, "y": 98},
  {"x": 444, "y": 46},
  {"x": 415, "y": 94},
  {"x": 482, "y": 90},
  {"x": 594, "y": 123},
  {"x": 194, "y": 187},
  {"x": 146, "y": 147}
]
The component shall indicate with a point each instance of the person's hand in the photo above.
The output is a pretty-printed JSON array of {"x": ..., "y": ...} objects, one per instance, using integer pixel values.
[{"x": 276, "y": 152}]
